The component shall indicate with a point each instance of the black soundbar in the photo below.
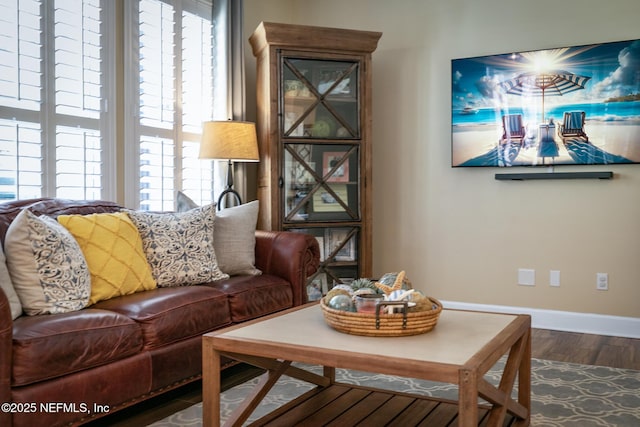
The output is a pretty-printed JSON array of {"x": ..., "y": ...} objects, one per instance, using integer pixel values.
[{"x": 553, "y": 175}]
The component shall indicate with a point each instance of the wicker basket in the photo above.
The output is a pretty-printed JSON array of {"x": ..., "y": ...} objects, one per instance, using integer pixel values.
[{"x": 386, "y": 325}]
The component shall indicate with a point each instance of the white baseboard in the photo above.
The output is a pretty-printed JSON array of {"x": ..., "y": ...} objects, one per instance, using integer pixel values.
[{"x": 587, "y": 323}]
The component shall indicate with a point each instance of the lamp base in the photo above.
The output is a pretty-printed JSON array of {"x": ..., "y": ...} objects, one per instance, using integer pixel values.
[
  {"x": 232, "y": 192},
  {"x": 229, "y": 189}
]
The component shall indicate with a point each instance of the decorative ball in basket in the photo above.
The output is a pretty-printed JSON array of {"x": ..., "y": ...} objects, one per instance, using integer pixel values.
[{"x": 389, "y": 307}]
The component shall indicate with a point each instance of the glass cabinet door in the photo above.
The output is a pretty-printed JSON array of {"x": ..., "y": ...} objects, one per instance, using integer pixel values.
[
  {"x": 320, "y": 99},
  {"x": 321, "y": 182},
  {"x": 338, "y": 258}
]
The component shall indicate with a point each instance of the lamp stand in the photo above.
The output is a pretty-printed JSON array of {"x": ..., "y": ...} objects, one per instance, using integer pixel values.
[{"x": 229, "y": 189}]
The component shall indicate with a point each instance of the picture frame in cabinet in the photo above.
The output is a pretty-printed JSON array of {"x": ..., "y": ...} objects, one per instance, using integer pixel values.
[
  {"x": 320, "y": 240},
  {"x": 318, "y": 285},
  {"x": 324, "y": 201},
  {"x": 329, "y": 161},
  {"x": 334, "y": 238},
  {"x": 290, "y": 117}
]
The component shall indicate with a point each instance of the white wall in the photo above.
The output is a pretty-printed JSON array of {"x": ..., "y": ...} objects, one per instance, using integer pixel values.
[{"x": 460, "y": 234}]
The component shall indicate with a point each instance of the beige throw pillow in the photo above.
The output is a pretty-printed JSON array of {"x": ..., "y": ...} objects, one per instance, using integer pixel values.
[{"x": 235, "y": 239}]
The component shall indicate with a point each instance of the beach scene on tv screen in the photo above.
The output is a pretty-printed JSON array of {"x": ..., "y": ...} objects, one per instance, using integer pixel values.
[{"x": 576, "y": 105}]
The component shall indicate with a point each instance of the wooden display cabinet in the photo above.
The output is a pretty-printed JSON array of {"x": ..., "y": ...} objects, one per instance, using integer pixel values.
[{"x": 314, "y": 132}]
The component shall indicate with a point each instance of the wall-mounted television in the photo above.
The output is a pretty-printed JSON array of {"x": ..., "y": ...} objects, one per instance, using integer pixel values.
[{"x": 576, "y": 105}]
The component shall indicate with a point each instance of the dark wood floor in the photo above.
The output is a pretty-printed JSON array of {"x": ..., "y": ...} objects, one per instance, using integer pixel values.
[
  {"x": 569, "y": 347},
  {"x": 586, "y": 349}
]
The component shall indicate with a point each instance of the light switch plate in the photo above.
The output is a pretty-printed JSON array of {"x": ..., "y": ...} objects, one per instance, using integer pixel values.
[{"x": 554, "y": 278}]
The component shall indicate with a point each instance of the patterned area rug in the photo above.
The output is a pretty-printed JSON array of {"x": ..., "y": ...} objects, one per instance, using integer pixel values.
[{"x": 563, "y": 394}]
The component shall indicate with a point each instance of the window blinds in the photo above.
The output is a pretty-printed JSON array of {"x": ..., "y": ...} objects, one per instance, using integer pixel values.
[
  {"x": 51, "y": 98},
  {"x": 175, "y": 63}
]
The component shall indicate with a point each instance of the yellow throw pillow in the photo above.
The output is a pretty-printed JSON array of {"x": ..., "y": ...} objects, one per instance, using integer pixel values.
[{"x": 112, "y": 247}]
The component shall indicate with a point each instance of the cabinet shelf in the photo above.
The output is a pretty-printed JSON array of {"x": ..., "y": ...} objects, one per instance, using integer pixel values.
[
  {"x": 339, "y": 263},
  {"x": 311, "y": 99}
]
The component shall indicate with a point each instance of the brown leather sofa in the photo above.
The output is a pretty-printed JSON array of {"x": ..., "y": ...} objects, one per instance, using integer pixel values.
[{"x": 67, "y": 369}]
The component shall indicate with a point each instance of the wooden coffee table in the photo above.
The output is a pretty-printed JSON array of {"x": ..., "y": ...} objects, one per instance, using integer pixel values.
[{"x": 460, "y": 350}]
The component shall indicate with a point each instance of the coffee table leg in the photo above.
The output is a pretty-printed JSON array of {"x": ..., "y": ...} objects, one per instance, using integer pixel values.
[
  {"x": 467, "y": 398},
  {"x": 330, "y": 373},
  {"x": 210, "y": 386},
  {"x": 524, "y": 381},
  {"x": 518, "y": 365}
]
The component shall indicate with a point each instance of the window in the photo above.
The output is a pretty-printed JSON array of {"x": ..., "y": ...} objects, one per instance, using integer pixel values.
[
  {"x": 174, "y": 63},
  {"x": 57, "y": 83},
  {"x": 54, "y": 88}
]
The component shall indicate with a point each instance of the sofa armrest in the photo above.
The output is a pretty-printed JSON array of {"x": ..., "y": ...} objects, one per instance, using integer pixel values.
[
  {"x": 292, "y": 256},
  {"x": 6, "y": 337}
]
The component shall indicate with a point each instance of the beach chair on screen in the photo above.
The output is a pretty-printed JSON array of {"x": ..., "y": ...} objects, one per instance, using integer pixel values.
[
  {"x": 573, "y": 125},
  {"x": 513, "y": 128}
]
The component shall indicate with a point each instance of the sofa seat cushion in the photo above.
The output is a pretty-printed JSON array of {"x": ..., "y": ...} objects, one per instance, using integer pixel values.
[
  {"x": 49, "y": 346},
  {"x": 168, "y": 315},
  {"x": 255, "y": 296}
]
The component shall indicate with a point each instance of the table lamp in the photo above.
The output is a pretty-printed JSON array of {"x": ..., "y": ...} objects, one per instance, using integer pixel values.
[{"x": 234, "y": 141}]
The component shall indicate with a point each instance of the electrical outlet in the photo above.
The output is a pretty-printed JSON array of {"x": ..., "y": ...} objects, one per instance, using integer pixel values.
[
  {"x": 526, "y": 277},
  {"x": 602, "y": 281}
]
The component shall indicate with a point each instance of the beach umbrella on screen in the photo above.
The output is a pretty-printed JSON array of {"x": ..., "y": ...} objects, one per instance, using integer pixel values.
[{"x": 544, "y": 83}]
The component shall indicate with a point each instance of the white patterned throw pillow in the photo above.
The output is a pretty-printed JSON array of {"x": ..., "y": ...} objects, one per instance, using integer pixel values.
[
  {"x": 47, "y": 267},
  {"x": 179, "y": 246}
]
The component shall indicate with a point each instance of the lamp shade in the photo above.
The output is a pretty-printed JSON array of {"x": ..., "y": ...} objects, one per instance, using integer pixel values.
[{"x": 229, "y": 140}]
